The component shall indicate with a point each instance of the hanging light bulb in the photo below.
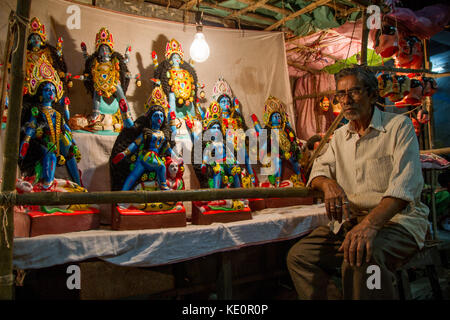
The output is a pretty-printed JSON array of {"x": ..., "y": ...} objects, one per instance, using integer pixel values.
[{"x": 199, "y": 48}]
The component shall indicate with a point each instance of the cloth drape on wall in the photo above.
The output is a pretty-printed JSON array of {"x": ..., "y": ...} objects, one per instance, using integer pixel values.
[{"x": 310, "y": 120}]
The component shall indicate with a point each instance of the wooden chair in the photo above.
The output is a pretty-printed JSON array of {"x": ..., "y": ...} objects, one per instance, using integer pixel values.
[{"x": 429, "y": 259}]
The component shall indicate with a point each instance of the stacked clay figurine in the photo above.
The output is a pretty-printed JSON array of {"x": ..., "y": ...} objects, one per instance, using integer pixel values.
[
  {"x": 38, "y": 50},
  {"x": 216, "y": 171},
  {"x": 48, "y": 156},
  {"x": 106, "y": 78},
  {"x": 233, "y": 125},
  {"x": 180, "y": 84},
  {"x": 142, "y": 156},
  {"x": 275, "y": 118}
]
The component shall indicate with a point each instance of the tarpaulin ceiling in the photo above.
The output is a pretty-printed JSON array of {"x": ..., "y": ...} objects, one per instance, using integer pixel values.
[{"x": 323, "y": 17}]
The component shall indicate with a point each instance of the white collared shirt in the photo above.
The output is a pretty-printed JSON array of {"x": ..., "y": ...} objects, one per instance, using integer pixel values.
[{"x": 384, "y": 162}]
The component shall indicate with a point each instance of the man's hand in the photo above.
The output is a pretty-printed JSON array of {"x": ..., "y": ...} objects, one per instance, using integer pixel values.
[
  {"x": 336, "y": 202},
  {"x": 358, "y": 240}
]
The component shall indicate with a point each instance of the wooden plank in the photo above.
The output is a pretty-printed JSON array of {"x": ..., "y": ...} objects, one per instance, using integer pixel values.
[{"x": 306, "y": 9}]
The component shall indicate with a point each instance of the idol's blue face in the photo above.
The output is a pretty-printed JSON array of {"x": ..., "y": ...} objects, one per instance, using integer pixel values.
[
  {"x": 35, "y": 41},
  {"x": 157, "y": 119},
  {"x": 176, "y": 59},
  {"x": 215, "y": 131},
  {"x": 104, "y": 53},
  {"x": 275, "y": 118},
  {"x": 225, "y": 103},
  {"x": 48, "y": 93}
]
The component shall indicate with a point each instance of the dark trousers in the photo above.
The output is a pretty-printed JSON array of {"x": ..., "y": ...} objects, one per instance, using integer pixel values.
[{"x": 314, "y": 259}]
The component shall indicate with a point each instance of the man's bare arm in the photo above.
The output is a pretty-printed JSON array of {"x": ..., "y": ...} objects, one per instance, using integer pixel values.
[
  {"x": 361, "y": 237},
  {"x": 336, "y": 202}
]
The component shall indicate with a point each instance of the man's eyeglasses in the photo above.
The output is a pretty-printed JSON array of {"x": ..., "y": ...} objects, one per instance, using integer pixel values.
[{"x": 355, "y": 93}]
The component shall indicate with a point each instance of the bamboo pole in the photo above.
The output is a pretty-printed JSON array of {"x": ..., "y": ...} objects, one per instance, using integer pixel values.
[
  {"x": 303, "y": 47},
  {"x": 436, "y": 151},
  {"x": 304, "y": 68},
  {"x": 11, "y": 150},
  {"x": 64, "y": 198},
  {"x": 306, "y": 9},
  {"x": 244, "y": 17},
  {"x": 269, "y": 7},
  {"x": 315, "y": 95},
  {"x": 424, "y": 71},
  {"x": 324, "y": 140},
  {"x": 365, "y": 39},
  {"x": 6, "y": 54},
  {"x": 189, "y": 4}
]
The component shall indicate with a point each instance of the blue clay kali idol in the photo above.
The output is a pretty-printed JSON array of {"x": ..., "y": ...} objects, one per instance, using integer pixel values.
[
  {"x": 142, "y": 153},
  {"x": 46, "y": 140},
  {"x": 216, "y": 171},
  {"x": 275, "y": 118},
  {"x": 106, "y": 77},
  {"x": 233, "y": 126},
  {"x": 180, "y": 84},
  {"x": 38, "y": 49}
]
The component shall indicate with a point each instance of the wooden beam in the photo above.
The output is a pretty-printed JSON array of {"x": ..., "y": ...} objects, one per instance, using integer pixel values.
[
  {"x": 269, "y": 7},
  {"x": 251, "y": 7},
  {"x": 243, "y": 17},
  {"x": 302, "y": 47},
  {"x": 11, "y": 150},
  {"x": 306, "y": 9},
  {"x": 365, "y": 39},
  {"x": 65, "y": 198},
  {"x": 324, "y": 141},
  {"x": 301, "y": 67},
  {"x": 315, "y": 95},
  {"x": 6, "y": 55},
  {"x": 189, "y": 4},
  {"x": 401, "y": 70},
  {"x": 436, "y": 151}
]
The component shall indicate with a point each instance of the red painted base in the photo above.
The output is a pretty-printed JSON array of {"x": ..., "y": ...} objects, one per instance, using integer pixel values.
[
  {"x": 287, "y": 202},
  {"x": 257, "y": 204},
  {"x": 36, "y": 223},
  {"x": 208, "y": 217},
  {"x": 135, "y": 219}
]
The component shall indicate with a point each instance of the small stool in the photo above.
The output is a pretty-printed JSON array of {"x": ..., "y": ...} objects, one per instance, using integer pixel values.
[{"x": 427, "y": 258}]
